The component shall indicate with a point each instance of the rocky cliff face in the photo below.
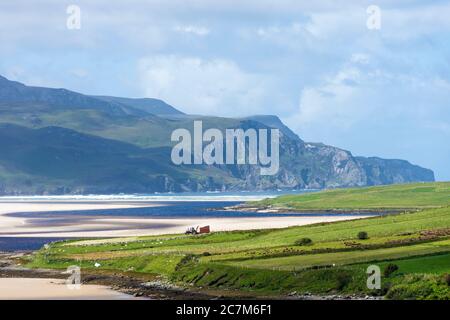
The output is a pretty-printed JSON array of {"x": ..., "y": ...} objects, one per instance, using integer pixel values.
[
  {"x": 316, "y": 166},
  {"x": 381, "y": 171}
]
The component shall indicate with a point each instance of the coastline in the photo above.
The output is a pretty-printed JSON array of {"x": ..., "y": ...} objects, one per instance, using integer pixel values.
[
  {"x": 285, "y": 210},
  {"x": 49, "y": 284},
  {"x": 113, "y": 226},
  {"x": 44, "y": 284},
  {"x": 54, "y": 289}
]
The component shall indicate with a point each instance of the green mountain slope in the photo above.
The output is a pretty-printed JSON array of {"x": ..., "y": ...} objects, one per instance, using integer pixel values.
[
  {"x": 57, "y": 160},
  {"x": 152, "y": 106}
]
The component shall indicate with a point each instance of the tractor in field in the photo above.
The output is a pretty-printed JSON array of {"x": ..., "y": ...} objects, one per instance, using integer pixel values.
[
  {"x": 192, "y": 230},
  {"x": 198, "y": 230}
]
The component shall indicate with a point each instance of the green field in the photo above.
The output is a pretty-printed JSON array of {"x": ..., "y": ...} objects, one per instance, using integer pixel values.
[
  {"x": 298, "y": 262},
  {"x": 406, "y": 196},
  {"x": 432, "y": 264},
  {"x": 272, "y": 263}
]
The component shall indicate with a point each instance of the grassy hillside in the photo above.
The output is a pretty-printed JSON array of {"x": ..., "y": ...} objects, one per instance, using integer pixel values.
[
  {"x": 144, "y": 131},
  {"x": 58, "y": 160},
  {"x": 274, "y": 262},
  {"x": 402, "y": 196}
]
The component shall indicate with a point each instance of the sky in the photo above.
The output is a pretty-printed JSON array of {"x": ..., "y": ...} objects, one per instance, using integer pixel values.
[{"x": 376, "y": 83}]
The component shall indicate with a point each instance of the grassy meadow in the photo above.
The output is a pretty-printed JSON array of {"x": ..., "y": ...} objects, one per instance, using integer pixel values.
[
  {"x": 397, "y": 197},
  {"x": 332, "y": 260}
]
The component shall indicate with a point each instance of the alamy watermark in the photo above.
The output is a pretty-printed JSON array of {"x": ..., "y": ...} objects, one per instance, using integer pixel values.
[
  {"x": 73, "y": 282},
  {"x": 230, "y": 150},
  {"x": 374, "y": 20},
  {"x": 73, "y": 21},
  {"x": 374, "y": 278}
]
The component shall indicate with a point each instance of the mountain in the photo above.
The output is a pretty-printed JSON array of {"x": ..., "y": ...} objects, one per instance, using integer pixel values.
[
  {"x": 57, "y": 141},
  {"x": 381, "y": 171},
  {"x": 152, "y": 106},
  {"x": 57, "y": 160},
  {"x": 274, "y": 122},
  {"x": 18, "y": 95}
]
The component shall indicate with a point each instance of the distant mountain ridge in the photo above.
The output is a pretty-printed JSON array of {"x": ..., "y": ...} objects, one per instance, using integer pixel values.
[
  {"x": 16, "y": 93},
  {"x": 149, "y": 105},
  {"x": 274, "y": 122},
  {"x": 57, "y": 141}
]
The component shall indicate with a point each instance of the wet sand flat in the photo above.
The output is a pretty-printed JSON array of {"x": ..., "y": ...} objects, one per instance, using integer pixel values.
[{"x": 54, "y": 289}]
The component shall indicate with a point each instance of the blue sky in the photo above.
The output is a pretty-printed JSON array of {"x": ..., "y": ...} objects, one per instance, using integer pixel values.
[{"x": 315, "y": 64}]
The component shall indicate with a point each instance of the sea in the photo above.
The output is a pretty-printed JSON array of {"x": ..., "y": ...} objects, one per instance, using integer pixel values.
[{"x": 170, "y": 205}]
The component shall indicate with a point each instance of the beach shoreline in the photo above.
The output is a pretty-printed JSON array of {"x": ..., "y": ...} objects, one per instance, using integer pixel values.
[
  {"x": 50, "y": 284},
  {"x": 47, "y": 284},
  {"x": 113, "y": 226},
  {"x": 54, "y": 289},
  {"x": 285, "y": 210}
]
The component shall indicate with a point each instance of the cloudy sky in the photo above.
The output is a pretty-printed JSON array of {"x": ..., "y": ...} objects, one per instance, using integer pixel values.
[{"x": 315, "y": 64}]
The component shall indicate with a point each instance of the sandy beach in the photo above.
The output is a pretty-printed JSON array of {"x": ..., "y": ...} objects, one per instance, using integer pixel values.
[
  {"x": 54, "y": 289},
  {"x": 108, "y": 226}
]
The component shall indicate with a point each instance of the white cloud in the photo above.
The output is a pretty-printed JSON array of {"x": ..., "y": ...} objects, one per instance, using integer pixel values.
[
  {"x": 196, "y": 30},
  {"x": 331, "y": 104},
  {"x": 293, "y": 35},
  {"x": 202, "y": 86},
  {"x": 361, "y": 58},
  {"x": 330, "y": 25},
  {"x": 79, "y": 72},
  {"x": 374, "y": 111},
  {"x": 275, "y": 31}
]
